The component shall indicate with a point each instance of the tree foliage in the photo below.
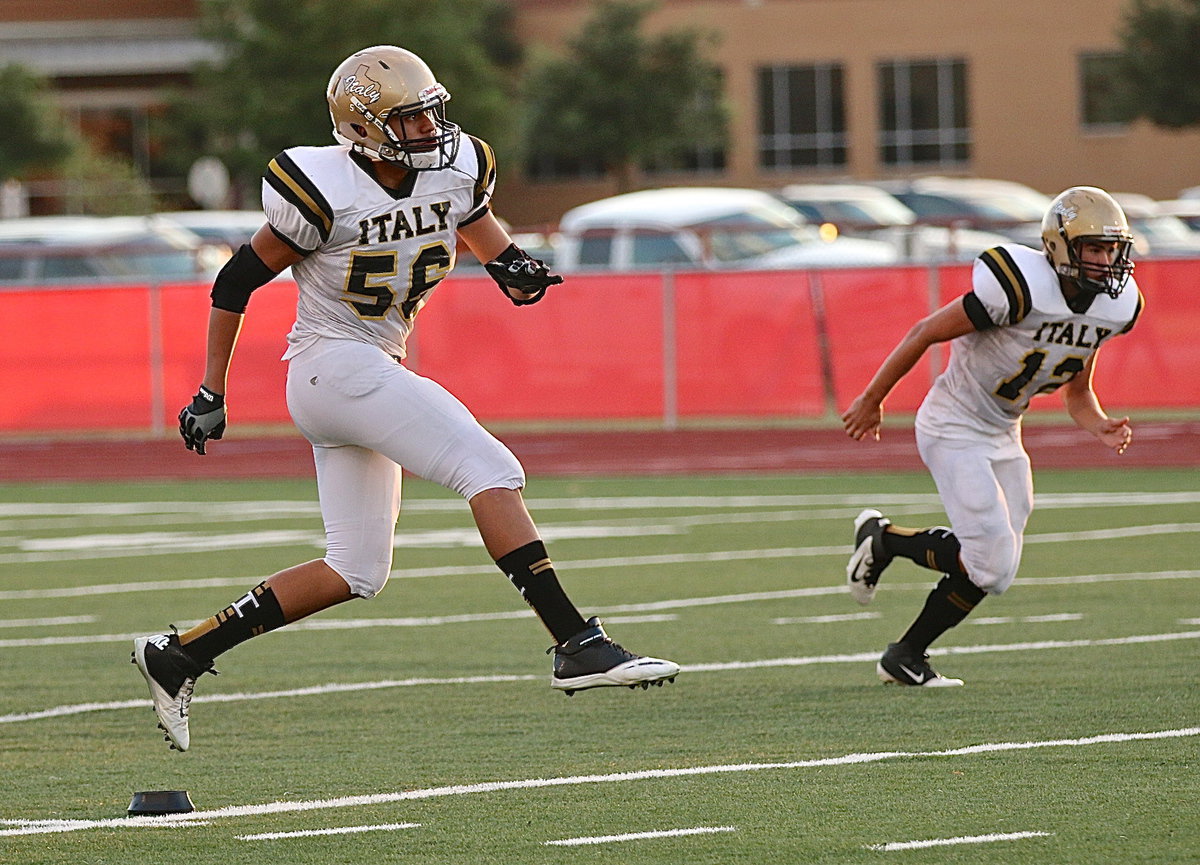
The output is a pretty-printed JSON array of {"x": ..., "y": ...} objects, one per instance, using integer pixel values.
[
  {"x": 624, "y": 100},
  {"x": 32, "y": 133},
  {"x": 103, "y": 184},
  {"x": 268, "y": 91},
  {"x": 1160, "y": 61}
]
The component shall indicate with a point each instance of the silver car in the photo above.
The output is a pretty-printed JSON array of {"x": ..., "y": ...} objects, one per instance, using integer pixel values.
[{"x": 705, "y": 228}]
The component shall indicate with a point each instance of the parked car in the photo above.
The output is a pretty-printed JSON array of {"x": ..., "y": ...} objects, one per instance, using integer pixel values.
[
  {"x": 1001, "y": 206},
  {"x": 1157, "y": 234},
  {"x": 1187, "y": 209},
  {"x": 861, "y": 210},
  {"x": 706, "y": 228},
  {"x": 539, "y": 245},
  {"x": 81, "y": 249},
  {"x": 229, "y": 227}
]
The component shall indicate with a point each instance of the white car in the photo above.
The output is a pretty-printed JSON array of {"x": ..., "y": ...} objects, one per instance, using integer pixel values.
[
  {"x": 1157, "y": 234},
  {"x": 1003, "y": 206},
  {"x": 57, "y": 250},
  {"x": 229, "y": 227},
  {"x": 860, "y": 210},
  {"x": 1187, "y": 209},
  {"x": 706, "y": 228}
]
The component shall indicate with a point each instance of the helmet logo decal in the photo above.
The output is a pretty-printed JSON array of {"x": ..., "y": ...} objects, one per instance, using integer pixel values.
[
  {"x": 431, "y": 93},
  {"x": 1066, "y": 211},
  {"x": 361, "y": 85}
]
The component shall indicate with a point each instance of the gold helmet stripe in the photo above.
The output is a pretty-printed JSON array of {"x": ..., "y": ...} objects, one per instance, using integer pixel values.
[
  {"x": 1002, "y": 266},
  {"x": 289, "y": 181}
]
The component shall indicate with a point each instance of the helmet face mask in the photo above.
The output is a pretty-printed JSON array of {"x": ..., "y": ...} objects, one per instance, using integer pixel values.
[
  {"x": 372, "y": 92},
  {"x": 1082, "y": 215}
]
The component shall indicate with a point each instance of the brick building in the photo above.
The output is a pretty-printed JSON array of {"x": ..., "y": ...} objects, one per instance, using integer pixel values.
[{"x": 818, "y": 89}]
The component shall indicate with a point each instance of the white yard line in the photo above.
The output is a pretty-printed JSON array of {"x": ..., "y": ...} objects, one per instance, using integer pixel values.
[
  {"x": 35, "y": 826},
  {"x": 337, "y": 830},
  {"x": 105, "y": 546},
  {"x": 728, "y": 666},
  {"x": 562, "y": 564},
  {"x": 1025, "y": 620},
  {"x": 964, "y": 839},
  {"x": 825, "y": 620},
  {"x": 241, "y": 509},
  {"x": 47, "y": 622},
  {"x": 639, "y": 836},
  {"x": 334, "y": 624}
]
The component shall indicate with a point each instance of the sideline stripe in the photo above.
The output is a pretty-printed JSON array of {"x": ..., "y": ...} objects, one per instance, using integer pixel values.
[
  {"x": 964, "y": 839},
  {"x": 348, "y": 687},
  {"x": 339, "y": 830},
  {"x": 639, "y": 836},
  {"x": 53, "y": 826}
]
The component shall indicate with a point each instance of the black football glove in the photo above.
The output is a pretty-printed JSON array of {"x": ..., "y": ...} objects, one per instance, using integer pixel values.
[
  {"x": 514, "y": 269},
  {"x": 202, "y": 420}
]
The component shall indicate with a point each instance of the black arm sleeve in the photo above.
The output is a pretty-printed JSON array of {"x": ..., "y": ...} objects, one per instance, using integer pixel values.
[
  {"x": 976, "y": 312},
  {"x": 238, "y": 278}
]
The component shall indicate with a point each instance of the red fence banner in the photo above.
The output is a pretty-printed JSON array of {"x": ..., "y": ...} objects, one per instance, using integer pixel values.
[{"x": 651, "y": 346}]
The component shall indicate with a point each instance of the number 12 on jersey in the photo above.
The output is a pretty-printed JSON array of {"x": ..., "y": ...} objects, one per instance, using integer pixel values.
[{"x": 1011, "y": 388}]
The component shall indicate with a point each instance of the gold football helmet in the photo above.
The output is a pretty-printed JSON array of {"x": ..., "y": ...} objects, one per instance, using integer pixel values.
[
  {"x": 374, "y": 85},
  {"x": 1086, "y": 213}
]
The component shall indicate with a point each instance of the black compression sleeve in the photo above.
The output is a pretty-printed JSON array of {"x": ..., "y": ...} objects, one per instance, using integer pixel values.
[{"x": 238, "y": 278}]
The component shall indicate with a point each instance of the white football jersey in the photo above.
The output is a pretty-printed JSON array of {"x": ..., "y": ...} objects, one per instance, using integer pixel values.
[
  {"x": 1027, "y": 341},
  {"x": 372, "y": 254}
]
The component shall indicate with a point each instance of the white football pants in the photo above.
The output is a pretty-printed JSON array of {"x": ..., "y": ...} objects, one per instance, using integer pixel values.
[
  {"x": 366, "y": 415},
  {"x": 986, "y": 488}
]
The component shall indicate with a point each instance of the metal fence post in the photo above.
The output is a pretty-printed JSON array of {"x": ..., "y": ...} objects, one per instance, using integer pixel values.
[
  {"x": 816, "y": 295},
  {"x": 157, "y": 373},
  {"x": 670, "y": 351}
]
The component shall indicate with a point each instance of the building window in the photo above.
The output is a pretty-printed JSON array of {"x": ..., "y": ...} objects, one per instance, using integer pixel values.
[
  {"x": 923, "y": 112},
  {"x": 1100, "y": 106},
  {"x": 802, "y": 117}
]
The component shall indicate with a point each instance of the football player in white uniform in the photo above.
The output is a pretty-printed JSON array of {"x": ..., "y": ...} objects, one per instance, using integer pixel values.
[
  {"x": 1033, "y": 322},
  {"x": 369, "y": 227}
]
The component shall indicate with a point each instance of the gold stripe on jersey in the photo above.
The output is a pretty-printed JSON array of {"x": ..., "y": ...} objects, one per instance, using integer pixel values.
[
  {"x": 486, "y": 158},
  {"x": 289, "y": 181},
  {"x": 1141, "y": 302},
  {"x": 1002, "y": 266}
]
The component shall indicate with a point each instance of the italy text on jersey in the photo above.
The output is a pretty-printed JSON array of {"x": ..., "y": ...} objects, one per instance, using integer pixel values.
[{"x": 373, "y": 254}]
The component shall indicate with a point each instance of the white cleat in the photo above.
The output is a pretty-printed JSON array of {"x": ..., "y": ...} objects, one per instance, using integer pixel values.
[
  {"x": 171, "y": 677},
  {"x": 869, "y": 558}
]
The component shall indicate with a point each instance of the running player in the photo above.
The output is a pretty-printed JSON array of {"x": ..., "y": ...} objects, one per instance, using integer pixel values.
[
  {"x": 369, "y": 227},
  {"x": 1033, "y": 322}
]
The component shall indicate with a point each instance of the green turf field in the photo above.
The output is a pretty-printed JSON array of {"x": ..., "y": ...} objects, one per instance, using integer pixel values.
[{"x": 419, "y": 727}]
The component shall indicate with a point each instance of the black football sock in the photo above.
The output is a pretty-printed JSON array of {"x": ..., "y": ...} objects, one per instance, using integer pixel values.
[
  {"x": 935, "y": 548},
  {"x": 951, "y": 600},
  {"x": 256, "y": 612},
  {"x": 529, "y": 569}
]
